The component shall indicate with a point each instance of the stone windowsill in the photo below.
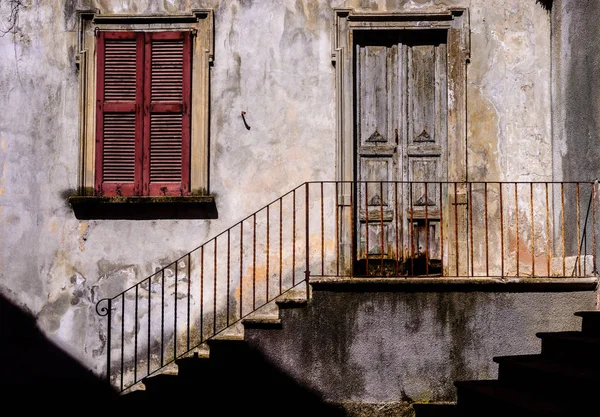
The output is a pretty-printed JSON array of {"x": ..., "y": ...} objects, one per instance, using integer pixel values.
[{"x": 143, "y": 208}]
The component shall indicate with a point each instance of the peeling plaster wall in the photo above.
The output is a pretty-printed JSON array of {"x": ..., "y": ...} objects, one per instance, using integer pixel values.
[{"x": 272, "y": 60}]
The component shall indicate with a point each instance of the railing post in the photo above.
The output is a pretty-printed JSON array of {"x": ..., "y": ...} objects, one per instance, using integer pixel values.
[
  {"x": 307, "y": 267},
  {"x": 108, "y": 341}
]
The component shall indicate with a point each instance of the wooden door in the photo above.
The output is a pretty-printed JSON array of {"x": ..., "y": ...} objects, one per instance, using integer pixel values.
[{"x": 401, "y": 152}]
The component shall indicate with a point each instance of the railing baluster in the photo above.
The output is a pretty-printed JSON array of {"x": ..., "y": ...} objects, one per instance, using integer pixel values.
[
  {"x": 135, "y": 336},
  {"x": 353, "y": 226},
  {"x": 189, "y": 280},
  {"x": 268, "y": 251},
  {"x": 396, "y": 209},
  {"x": 254, "y": 262},
  {"x": 562, "y": 225},
  {"x": 517, "y": 223},
  {"x": 322, "y": 232},
  {"x": 367, "y": 228},
  {"x": 411, "y": 231},
  {"x": 426, "y": 230},
  {"x": 215, "y": 288},
  {"x": 175, "y": 315},
  {"x": 455, "y": 225},
  {"x": 471, "y": 258},
  {"x": 548, "y": 253},
  {"x": 487, "y": 258},
  {"x": 228, "y": 273},
  {"x": 294, "y": 238},
  {"x": 202, "y": 294},
  {"x": 109, "y": 339},
  {"x": 578, "y": 214},
  {"x": 532, "y": 231},
  {"x": 162, "y": 319},
  {"x": 280, "y": 244},
  {"x": 122, "y": 338},
  {"x": 381, "y": 232},
  {"x": 595, "y": 259},
  {"x": 441, "y": 209},
  {"x": 149, "y": 318},
  {"x": 501, "y": 229},
  {"x": 307, "y": 243},
  {"x": 337, "y": 231}
]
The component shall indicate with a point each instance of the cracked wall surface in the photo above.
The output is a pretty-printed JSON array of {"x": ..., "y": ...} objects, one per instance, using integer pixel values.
[{"x": 273, "y": 61}]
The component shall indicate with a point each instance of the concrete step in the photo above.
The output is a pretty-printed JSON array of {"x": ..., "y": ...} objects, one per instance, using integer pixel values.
[
  {"x": 546, "y": 374},
  {"x": 590, "y": 323},
  {"x": 492, "y": 398},
  {"x": 570, "y": 347}
]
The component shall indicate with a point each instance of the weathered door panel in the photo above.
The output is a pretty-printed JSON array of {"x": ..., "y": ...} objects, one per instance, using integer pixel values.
[{"x": 401, "y": 131}]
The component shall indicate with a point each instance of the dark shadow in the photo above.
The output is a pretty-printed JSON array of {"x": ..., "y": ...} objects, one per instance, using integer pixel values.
[
  {"x": 36, "y": 375},
  {"x": 234, "y": 380},
  {"x": 546, "y": 4}
]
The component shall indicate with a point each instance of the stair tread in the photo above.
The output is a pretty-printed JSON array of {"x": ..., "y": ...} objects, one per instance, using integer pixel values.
[
  {"x": 576, "y": 336},
  {"x": 548, "y": 364},
  {"x": 589, "y": 313},
  {"x": 517, "y": 397},
  {"x": 262, "y": 319}
]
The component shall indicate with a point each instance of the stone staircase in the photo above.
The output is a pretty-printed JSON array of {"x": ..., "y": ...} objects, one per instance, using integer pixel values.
[
  {"x": 562, "y": 380},
  {"x": 227, "y": 376}
]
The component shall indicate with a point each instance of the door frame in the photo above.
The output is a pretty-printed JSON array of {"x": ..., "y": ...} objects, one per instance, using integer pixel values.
[{"x": 346, "y": 21}]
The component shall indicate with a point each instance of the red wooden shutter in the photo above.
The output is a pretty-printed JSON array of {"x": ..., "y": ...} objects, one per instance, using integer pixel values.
[
  {"x": 167, "y": 113},
  {"x": 118, "y": 114}
]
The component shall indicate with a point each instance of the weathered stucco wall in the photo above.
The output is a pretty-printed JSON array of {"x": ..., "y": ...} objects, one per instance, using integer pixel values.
[
  {"x": 273, "y": 61},
  {"x": 373, "y": 346}
]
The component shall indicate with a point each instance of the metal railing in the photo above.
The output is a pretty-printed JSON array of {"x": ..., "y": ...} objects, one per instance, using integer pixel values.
[{"x": 348, "y": 229}]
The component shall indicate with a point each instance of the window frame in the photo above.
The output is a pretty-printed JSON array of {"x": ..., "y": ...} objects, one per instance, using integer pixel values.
[{"x": 200, "y": 24}]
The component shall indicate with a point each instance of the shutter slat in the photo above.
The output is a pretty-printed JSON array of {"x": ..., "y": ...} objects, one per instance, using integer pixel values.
[
  {"x": 120, "y": 73},
  {"x": 165, "y": 147},
  {"x": 167, "y": 70},
  {"x": 118, "y": 164}
]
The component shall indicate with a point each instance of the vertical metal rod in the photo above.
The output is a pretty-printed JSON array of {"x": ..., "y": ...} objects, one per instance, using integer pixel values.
[
  {"x": 594, "y": 269},
  {"x": 162, "y": 320},
  {"x": 471, "y": 257},
  {"x": 367, "y": 228},
  {"x": 562, "y": 211},
  {"x": 381, "y": 233},
  {"x": 202, "y": 294},
  {"x": 532, "y": 230},
  {"x": 501, "y": 229},
  {"x": 441, "y": 208},
  {"x": 307, "y": 248},
  {"x": 108, "y": 340},
  {"x": 548, "y": 253},
  {"x": 487, "y": 256},
  {"x": 517, "y": 223},
  {"x": 228, "y": 272},
  {"x": 254, "y": 262},
  {"x": 215, "y": 288},
  {"x": 189, "y": 280},
  {"x": 337, "y": 230},
  {"x": 578, "y": 213},
  {"x": 396, "y": 209},
  {"x": 241, "y": 269},
  {"x": 322, "y": 234},
  {"x": 456, "y": 224},
  {"x": 149, "y": 320},
  {"x": 294, "y": 238},
  {"x": 175, "y": 315},
  {"x": 411, "y": 231},
  {"x": 426, "y": 230},
  {"x": 135, "y": 335},
  {"x": 353, "y": 226},
  {"x": 280, "y": 244},
  {"x": 122, "y": 337},
  {"x": 268, "y": 252}
]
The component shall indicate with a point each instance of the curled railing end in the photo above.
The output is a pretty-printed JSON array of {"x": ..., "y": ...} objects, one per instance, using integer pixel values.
[{"x": 102, "y": 311}]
